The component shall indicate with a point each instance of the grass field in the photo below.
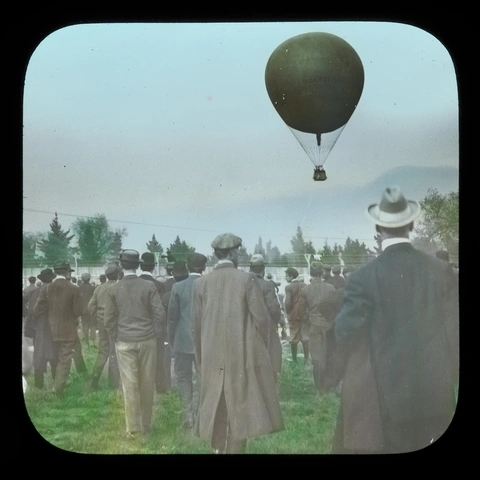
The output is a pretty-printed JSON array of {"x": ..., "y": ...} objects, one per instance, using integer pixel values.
[{"x": 94, "y": 422}]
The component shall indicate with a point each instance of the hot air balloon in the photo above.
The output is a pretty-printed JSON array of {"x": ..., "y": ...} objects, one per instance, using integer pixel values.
[{"x": 314, "y": 81}]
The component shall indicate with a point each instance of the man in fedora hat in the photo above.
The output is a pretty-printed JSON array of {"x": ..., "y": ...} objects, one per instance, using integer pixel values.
[
  {"x": 398, "y": 328},
  {"x": 106, "y": 345},
  {"x": 179, "y": 327},
  {"x": 238, "y": 394},
  {"x": 38, "y": 328},
  {"x": 257, "y": 266},
  {"x": 162, "y": 376},
  {"x": 298, "y": 329},
  {"x": 60, "y": 300},
  {"x": 135, "y": 319}
]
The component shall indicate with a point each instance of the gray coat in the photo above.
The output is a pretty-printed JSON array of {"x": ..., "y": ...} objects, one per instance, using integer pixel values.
[
  {"x": 231, "y": 324},
  {"x": 179, "y": 316}
]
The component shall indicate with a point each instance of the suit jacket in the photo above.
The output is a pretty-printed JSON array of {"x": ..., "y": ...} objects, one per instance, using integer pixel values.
[
  {"x": 134, "y": 310},
  {"x": 96, "y": 305},
  {"x": 292, "y": 297},
  {"x": 231, "y": 324},
  {"x": 399, "y": 330},
  {"x": 61, "y": 301},
  {"x": 86, "y": 292},
  {"x": 179, "y": 316}
]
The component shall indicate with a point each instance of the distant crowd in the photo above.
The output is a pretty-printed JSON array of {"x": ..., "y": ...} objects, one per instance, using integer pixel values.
[{"x": 383, "y": 337}]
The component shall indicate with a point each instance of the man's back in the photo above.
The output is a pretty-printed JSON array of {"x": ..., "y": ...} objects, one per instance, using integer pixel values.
[
  {"x": 134, "y": 305},
  {"x": 409, "y": 314},
  {"x": 86, "y": 291}
]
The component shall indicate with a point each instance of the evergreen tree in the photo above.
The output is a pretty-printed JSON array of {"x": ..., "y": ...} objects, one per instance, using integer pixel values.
[
  {"x": 298, "y": 243},
  {"x": 180, "y": 250},
  {"x": 355, "y": 253},
  {"x": 154, "y": 246},
  {"x": 259, "y": 248},
  {"x": 56, "y": 245}
]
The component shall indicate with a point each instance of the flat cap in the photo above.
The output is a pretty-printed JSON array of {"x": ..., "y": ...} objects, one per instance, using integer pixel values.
[
  {"x": 225, "y": 241},
  {"x": 111, "y": 270},
  {"x": 257, "y": 259}
]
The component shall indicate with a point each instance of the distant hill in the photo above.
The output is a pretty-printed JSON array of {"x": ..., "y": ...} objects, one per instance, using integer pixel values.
[{"x": 336, "y": 213}]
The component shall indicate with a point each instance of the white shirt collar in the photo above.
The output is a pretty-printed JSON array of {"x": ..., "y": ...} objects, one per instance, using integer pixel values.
[
  {"x": 224, "y": 260},
  {"x": 195, "y": 274},
  {"x": 144, "y": 272},
  {"x": 393, "y": 241},
  {"x": 59, "y": 277}
]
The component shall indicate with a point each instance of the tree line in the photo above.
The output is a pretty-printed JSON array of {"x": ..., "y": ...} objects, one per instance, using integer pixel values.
[{"x": 92, "y": 242}]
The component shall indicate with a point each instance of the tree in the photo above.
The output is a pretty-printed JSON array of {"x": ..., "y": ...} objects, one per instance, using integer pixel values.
[
  {"x": 259, "y": 248},
  {"x": 154, "y": 246},
  {"x": 355, "y": 253},
  {"x": 298, "y": 243},
  {"x": 97, "y": 242},
  {"x": 180, "y": 249},
  {"x": 440, "y": 223},
  {"x": 272, "y": 253},
  {"x": 56, "y": 244},
  {"x": 29, "y": 252}
]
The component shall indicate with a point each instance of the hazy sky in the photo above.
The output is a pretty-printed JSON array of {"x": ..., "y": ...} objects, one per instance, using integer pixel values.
[{"x": 168, "y": 128}]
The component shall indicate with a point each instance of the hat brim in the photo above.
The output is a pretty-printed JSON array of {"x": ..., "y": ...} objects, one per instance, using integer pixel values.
[{"x": 395, "y": 220}]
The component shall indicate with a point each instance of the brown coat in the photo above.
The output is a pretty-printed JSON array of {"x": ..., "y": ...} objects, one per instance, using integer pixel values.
[
  {"x": 231, "y": 324},
  {"x": 298, "y": 329},
  {"x": 61, "y": 300}
]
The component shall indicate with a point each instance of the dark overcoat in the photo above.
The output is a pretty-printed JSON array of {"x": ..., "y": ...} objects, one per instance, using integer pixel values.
[
  {"x": 398, "y": 328},
  {"x": 273, "y": 307},
  {"x": 61, "y": 300},
  {"x": 298, "y": 329},
  {"x": 231, "y": 325}
]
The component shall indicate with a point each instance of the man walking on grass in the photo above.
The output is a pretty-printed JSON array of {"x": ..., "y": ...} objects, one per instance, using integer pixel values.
[{"x": 135, "y": 318}]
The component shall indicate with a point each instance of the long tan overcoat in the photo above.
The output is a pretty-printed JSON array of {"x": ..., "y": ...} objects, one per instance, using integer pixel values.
[{"x": 230, "y": 333}]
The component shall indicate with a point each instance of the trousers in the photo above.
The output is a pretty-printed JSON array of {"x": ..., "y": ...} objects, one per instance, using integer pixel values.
[
  {"x": 183, "y": 366},
  {"x": 64, "y": 353},
  {"x": 137, "y": 366},
  {"x": 106, "y": 353}
]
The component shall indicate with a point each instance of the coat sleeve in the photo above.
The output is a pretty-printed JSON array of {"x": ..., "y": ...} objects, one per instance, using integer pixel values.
[
  {"x": 158, "y": 313},
  {"x": 197, "y": 315},
  {"x": 257, "y": 307},
  {"x": 355, "y": 309},
  {"x": 93, "y": 303},
  {"x": 41, "y": 305},
  {"x": 172, "y": 315},
  {"x": 303, "y": 306},
  {"x": 77, "y": 303},
  {"x": 111, "y": 315},
  {"x": 288, "y": 300},
  {"x": 272, "y": 304}
]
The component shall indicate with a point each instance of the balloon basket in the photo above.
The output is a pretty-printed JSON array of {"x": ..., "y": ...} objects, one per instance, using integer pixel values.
[{"x": 319, "y": 174}]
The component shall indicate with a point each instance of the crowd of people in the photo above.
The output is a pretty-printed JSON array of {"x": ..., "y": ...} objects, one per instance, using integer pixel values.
[{"x": 384, "y": 337}]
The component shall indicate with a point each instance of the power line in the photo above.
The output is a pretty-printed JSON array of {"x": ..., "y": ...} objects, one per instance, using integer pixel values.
[{"x": 182, "y": 228}]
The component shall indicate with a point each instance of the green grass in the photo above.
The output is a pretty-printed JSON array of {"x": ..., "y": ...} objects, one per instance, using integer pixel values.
[{"x": 94, "y": 422}]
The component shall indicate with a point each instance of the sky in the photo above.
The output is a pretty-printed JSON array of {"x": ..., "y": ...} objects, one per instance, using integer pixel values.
[{"x": 167, "y": 128}]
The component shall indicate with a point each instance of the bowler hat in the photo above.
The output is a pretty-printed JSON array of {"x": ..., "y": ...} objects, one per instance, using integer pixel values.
[
  {"x": 257, "y": 259},
  {"x": 46, "y": 275},
  {"x": 225, "y": 241},
  {"x": 148, "y": 258},
  {"x": 129, "y": 255},
  {"x": 292, "y": 272},
  {"x": 394, "y": 210},
  {"x": 62, "y": 265},
  {"x": 196, "y": 260}
]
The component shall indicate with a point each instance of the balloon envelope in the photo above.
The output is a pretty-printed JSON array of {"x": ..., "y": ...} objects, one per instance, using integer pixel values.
[{"x": 314, "y": 81}]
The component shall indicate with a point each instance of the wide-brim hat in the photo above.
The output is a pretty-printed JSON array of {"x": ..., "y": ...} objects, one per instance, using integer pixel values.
[
  {"x": 62, "y": 265},
  {"x": 225, "y": 241},
  {"x": 131, "y": 256},
  {"x": 46, "y": 275},
  {"x": 394, "y": 210}
]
